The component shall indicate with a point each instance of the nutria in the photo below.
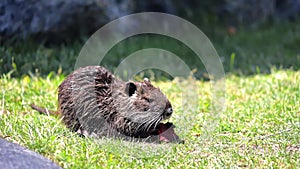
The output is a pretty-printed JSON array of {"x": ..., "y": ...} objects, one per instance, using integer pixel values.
[{"x": 93, "y": 101}]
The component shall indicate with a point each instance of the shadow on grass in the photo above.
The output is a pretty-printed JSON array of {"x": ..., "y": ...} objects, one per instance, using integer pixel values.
[{"x": 244, "y": 53}]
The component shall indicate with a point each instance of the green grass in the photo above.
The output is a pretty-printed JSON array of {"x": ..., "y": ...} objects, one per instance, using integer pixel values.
[{"x": 259, "y": 129}]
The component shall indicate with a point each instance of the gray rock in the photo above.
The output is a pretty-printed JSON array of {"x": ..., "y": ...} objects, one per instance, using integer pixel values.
[
  {"x": 23, "y": 18},
  {"x": 73, "y": 18},
  {"x": 14, "y": 156}
]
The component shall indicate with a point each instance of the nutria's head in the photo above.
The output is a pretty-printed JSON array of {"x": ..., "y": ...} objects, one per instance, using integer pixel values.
[{"x": 141, "y": 107}]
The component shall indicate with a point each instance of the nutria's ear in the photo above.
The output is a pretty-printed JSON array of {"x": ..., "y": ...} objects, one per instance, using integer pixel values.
[
  {"x": 146, "y": 80},
  {"x": 130, "y": 88}
]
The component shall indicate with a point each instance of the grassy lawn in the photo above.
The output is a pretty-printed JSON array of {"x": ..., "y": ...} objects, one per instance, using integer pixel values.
[{"x": 259, "y": 129}]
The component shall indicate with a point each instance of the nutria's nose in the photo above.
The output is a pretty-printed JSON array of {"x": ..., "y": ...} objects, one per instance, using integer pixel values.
[{"x": 168, "y": 111}]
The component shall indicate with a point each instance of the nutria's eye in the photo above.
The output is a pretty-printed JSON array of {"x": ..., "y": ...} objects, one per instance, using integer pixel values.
[{"x": 146, "y": 109}]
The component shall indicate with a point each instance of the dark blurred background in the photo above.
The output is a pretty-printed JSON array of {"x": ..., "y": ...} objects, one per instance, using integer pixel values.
[{"x": 251, "y": 36}]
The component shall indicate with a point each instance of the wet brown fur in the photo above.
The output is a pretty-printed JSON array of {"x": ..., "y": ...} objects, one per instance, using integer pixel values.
[{"x": 91, "y": 99}]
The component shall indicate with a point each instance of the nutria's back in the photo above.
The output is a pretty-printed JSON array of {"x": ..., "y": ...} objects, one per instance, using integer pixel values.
[{"x": 91, "y": 99}]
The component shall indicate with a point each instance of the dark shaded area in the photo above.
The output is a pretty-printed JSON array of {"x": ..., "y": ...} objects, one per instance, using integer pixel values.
[
  {"x": 55, "y": 20},
  {"x": 60, "y": 20},
  {"x": 64, "y": 21},
  {"x": 251, "y": 36},
  {"x": 14, "y": 156}
]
